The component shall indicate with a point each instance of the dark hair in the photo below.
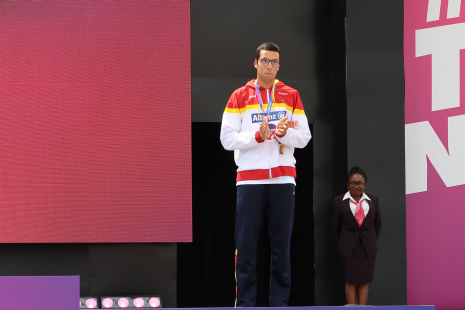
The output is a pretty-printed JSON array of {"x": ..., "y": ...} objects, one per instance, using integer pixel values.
[
  {"x": 267, "y": 46},
  {"x": 357, "y": 170}
]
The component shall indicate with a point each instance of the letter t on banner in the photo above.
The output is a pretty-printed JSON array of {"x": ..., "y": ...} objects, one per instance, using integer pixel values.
[{"x": 444, "y": 44}]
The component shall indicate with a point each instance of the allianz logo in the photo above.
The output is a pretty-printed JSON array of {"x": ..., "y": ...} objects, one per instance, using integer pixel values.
[
  {"x": 282, "y": 93},
  {"x": 274, "y": 116}
]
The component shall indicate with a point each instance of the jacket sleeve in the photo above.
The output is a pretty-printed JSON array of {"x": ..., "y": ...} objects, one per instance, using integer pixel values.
[
  {"x": 231, "y": 136},
  {"x": 336, "y": 223},
  {"x": 378, "y": 222},
  {"x": 297, "y": 137}
]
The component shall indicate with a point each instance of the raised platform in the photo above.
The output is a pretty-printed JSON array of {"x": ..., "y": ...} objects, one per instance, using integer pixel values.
[{"x": 323, "y": 308}]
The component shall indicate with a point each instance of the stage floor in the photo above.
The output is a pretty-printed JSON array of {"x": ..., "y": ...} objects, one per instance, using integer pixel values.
[{"x": 321, "y": 308}]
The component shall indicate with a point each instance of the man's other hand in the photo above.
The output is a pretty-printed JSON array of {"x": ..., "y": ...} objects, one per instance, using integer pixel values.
[{"x": 282, "y": 126}]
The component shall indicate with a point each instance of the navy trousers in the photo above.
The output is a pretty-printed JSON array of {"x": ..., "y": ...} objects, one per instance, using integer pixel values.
[{"x": 278, "y": 201}]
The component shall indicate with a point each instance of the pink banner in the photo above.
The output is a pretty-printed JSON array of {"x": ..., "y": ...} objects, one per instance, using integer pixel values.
[
  {"x": 434, "y": 55},
  {"x": 95, "y": 121}
]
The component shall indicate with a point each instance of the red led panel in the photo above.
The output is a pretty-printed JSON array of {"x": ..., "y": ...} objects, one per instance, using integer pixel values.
[{"x": 95, "y": 120}]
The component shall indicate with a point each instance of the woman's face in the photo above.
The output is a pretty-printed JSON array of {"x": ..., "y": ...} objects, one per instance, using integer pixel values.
[{"x": 354, "y": 185}]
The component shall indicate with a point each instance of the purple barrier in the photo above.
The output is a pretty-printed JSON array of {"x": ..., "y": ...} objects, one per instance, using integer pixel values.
[{"x": 39, "y": 293}]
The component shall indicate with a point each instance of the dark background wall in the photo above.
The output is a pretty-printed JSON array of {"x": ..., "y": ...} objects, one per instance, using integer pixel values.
[
  {"x": 375, "y": 126},
  {"x": 206, "y": 266},
  {"x": 224, "y": 36}
]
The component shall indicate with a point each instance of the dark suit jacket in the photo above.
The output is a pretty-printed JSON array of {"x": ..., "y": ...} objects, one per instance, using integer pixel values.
[{"x": 346, "y": 229}]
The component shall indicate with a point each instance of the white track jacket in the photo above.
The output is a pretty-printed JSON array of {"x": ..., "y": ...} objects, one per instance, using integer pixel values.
[{"x": 240, "y": 132}]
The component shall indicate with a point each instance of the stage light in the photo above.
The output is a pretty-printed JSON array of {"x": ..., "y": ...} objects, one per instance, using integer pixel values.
[
  {"x": 155, "y": 302},
  {"x": 139, "y": 302},
  {"x": 123, "y": 302},
  {"x": 88, "y": 302},
  {"x": 130, "y": 302},
  {"x": 107, "y": 303}
]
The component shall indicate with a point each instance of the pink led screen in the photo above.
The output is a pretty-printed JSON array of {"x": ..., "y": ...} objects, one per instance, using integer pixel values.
[{"x": 95, "y": 121}]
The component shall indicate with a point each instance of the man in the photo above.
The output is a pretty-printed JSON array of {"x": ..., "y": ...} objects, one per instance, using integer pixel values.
[{"x": 263, "y": 122}]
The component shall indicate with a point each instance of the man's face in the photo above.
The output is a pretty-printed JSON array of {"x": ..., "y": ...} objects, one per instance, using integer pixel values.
[{"x": 267, "y": 73}]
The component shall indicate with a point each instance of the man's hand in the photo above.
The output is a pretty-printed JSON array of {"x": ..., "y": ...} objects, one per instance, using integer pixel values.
[
  {"x": 264, "y": 129},
  {"x": 282, "y": 126}
]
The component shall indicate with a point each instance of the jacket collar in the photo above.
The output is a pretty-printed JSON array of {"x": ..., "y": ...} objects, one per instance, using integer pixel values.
[
  {"x": 251, "y": 83},
  {"x": 347, "y": 196}
]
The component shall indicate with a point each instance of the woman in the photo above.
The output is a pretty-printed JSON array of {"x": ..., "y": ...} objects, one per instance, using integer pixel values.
[{"x": 356, "y": 228}]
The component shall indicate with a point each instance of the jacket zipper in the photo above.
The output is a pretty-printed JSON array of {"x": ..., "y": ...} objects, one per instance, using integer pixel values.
[{"x": 269, "y": 159}]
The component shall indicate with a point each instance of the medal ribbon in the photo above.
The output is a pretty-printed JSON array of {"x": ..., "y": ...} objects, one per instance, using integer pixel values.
[{"x": 270, "y": 99}]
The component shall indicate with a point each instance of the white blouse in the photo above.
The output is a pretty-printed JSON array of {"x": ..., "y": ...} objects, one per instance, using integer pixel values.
[{"x": 353, "y": 206}]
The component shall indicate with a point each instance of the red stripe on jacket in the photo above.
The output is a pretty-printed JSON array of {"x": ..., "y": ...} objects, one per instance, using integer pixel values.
[{"x": 260, "y": 174}]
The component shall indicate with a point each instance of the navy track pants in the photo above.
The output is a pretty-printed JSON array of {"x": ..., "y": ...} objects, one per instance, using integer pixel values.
[{"x": 278, "y": 201}]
